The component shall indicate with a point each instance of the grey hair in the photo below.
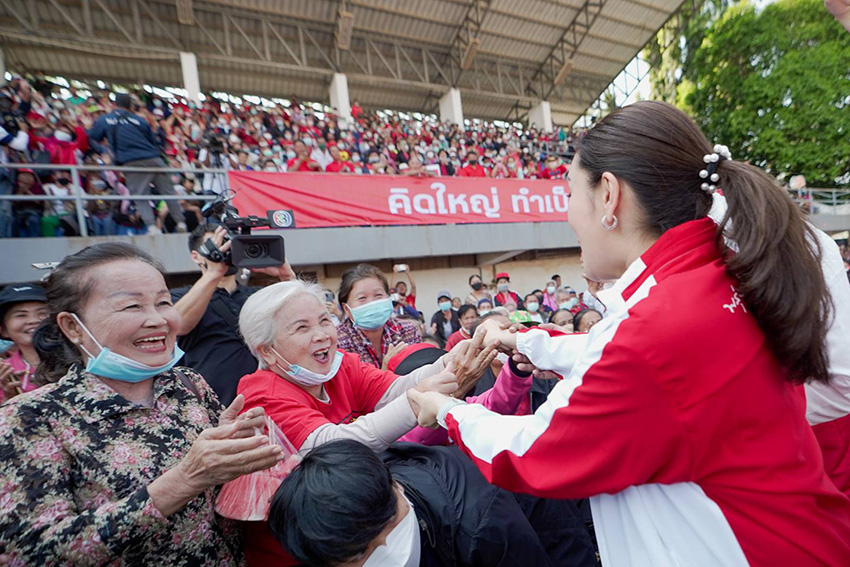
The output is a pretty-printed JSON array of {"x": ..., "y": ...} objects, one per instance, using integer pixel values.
[{"x": 257, "y": 322}]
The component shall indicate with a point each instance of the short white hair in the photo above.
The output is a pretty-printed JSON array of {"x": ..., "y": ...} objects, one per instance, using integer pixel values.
[{"x": 257, "y": 320}]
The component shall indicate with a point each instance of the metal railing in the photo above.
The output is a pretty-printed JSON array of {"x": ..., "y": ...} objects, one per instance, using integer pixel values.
[
  {"x": 829, "y": 197},
  {"x": 79, "y": 194}
]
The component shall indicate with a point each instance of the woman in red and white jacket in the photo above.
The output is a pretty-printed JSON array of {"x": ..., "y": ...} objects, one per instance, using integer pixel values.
[{"x": 681, "y": 416}]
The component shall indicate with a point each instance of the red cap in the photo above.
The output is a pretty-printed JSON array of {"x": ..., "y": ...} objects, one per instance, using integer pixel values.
[{"x": 501, "y": 275}]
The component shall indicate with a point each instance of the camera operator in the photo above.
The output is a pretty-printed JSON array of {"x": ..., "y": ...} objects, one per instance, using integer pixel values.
[
  {"x": 134, "y": 144},
  {"x": 209, "y": 329},
  {"x": 215, "y": 155},
  {"x": 13, "y": 135}
]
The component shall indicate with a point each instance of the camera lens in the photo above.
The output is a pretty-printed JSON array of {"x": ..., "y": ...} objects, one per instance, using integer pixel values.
[{"x": 256, "y": 250}]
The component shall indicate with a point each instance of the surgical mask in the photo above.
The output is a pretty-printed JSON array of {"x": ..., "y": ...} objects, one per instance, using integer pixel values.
[
  {"x": 291, "y": 154},
  {"x": 268, "y": 153},
  {"x": 532, "y": 306},
  {"x": 109, "y": 364},
  {"x": 62, "y": 136},
  {"x": 483, "y": 312},
  {"x": 568, "y": 304},
  {"x": 402, "y": 547},
  {"x": 395, "y": 297},
  {"x": 502, "y": 287},
  {"x": 306, "y": 378},
  {"x": 550, "y": 290},
  {"x": 271, "y": 169},
  {"x": 373, "y": 315},
  {"x": 445, "y": 305},
  {"x": 476, "y": 286},
  {"x": 5, "y": 345}
]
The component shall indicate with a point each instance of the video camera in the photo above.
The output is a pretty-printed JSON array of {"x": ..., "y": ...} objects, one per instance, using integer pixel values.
[{"x": 246, "y": 250}]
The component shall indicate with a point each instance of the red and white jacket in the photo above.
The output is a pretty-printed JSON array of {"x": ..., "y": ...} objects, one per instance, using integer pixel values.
[{"x": 676, "y": 419}]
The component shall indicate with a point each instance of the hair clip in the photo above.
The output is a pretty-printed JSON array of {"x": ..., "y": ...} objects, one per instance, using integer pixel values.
[{"x": 710, "y": 172}]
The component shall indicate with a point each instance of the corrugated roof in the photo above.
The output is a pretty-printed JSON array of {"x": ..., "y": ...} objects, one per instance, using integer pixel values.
[{"x": 288, "y": 47}]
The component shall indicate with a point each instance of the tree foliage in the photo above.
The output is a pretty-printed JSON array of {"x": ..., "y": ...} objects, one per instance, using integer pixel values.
[{"x": 775, "y": 87}]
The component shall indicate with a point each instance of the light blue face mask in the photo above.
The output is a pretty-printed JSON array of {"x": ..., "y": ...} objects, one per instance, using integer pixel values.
[
  {"x": 118, "y": 367},
  {"x": 5, "y": 345},
  {"x": 568, "y": 304},
  {"x": 445, "y": 305},
  {"x": 306, "y": 378},
  {"x": 372, "y": 315}
]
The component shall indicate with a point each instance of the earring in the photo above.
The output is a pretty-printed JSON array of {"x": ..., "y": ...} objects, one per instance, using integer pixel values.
[{"x": 613, "y": 223}]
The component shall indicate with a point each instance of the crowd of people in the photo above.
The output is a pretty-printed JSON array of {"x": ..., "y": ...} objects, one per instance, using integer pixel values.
[
  {"x": 550, "y": 427},
  {"x": 46, "y": 124}
]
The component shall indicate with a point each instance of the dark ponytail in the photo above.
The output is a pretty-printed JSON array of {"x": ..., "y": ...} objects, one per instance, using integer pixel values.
[
  {"x": 778, "y": 265},
  {"x": 69, "y": 288},
  {"x": 658, "y": 151}
]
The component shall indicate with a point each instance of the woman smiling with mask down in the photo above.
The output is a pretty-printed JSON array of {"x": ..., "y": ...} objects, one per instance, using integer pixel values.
[{"x": 118, "y": 461}]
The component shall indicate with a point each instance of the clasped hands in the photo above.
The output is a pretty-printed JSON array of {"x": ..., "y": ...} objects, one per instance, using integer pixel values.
[{"x": 468, "y": 360}]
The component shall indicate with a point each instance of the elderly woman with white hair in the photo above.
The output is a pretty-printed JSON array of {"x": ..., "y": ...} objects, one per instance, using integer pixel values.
[{"x": 316, "y": 393}]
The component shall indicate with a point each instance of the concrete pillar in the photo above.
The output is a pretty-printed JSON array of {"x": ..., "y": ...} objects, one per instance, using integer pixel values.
[
  {"x": 340, "y": 100},
  {"x": 540, "y": 116},
  {"x": 191, "y": 82},
  {"x": 451, "y": 108}
]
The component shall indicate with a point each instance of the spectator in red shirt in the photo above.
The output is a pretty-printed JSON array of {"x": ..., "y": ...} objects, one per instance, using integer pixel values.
[
  {"x": 302, "y": 160},
  {"x": 505, "y": 295},
  {"x": 472, "y": 167},
  {"x": 468, "y": 315},
  {"x": 337, "y": 165},
  {"x": 316, "y": 393},
  {"x": 555, "y": 168},
  {"x": 401, "y": 286},
  {"x": 356, "y": 110}
]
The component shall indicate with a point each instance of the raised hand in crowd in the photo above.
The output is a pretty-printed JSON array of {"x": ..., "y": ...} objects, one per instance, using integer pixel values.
[
  {"x": 444, "y": 383},
  {"x": 10, "y": 380},
  {"x": 841, "y": 10},
  {"x": 284, "y": 272}
]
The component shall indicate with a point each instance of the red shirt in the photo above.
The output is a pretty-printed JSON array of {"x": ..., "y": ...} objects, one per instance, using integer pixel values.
[
  {"x": 354, "y": 391},
  {"x": 455, "y": 338},
  {"x": 472, "y": 170},
  {"x": 339, "y": 167},
  {"x": 559, "y": 172},
  {"x": 410, "y": 300},
  {"x": 304, "y": 166}
]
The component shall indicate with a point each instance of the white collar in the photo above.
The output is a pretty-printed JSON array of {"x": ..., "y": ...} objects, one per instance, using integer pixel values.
[{"x": 612, "y": 298}]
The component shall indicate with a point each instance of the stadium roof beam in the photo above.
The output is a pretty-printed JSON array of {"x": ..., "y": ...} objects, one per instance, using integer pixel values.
[{"x": 561, "y": 61}]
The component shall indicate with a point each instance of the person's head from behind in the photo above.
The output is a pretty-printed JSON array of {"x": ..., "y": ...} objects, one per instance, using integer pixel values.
[
  {"x": 287, "y": 325},
  {"x": 468, "y": 315},
  {"x": 22, "y": 308},
  {"x": 562, "y": 318},
  {"x": 585, "y": 319},
  {"x": 641, "y": 164},
  {"x": 338, "y": 507},
  {"x": 364, "y": 294},
  {"x": 110, "y": 295}
]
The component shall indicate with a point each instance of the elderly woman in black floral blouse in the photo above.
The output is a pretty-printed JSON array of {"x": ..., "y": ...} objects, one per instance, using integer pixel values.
[{"x": 118, "y": 461}]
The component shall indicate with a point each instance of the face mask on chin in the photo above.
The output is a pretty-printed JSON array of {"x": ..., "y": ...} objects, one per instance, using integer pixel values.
[
  {"x": 108, "y": 364},
  {"x": 305, "y": 377}
]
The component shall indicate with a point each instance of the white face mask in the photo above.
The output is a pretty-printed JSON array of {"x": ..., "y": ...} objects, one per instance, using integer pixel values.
[
  {"x": 306, "y": 378},
  {"x": 402, "y": 546},
  {"x": 62, "y": 136}
]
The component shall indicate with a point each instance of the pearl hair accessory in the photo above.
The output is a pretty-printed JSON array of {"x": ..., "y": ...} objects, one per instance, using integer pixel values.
[{"x": 710, "y": 172}]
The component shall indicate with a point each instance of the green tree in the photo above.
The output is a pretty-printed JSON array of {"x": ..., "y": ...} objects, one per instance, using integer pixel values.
[
  {"x": 775, "y": 87},
  {"x": 671, "y": 51}
]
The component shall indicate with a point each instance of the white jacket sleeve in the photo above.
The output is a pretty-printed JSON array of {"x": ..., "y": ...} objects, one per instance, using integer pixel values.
[
  {"x": 558, "y": 353},
  {"x": 403, "y": 383}
]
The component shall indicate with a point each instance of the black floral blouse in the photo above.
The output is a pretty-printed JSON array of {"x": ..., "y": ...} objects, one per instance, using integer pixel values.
[{"x": 75, "y": 461}]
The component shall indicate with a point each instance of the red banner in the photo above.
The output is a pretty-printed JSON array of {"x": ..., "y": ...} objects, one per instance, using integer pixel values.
[{"x": 324, "y": 200}]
